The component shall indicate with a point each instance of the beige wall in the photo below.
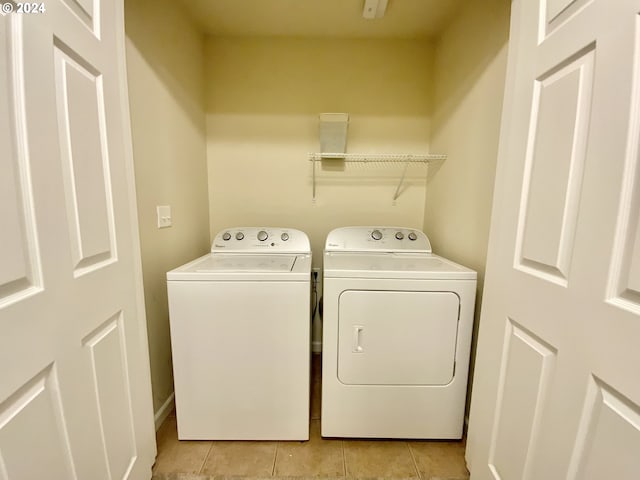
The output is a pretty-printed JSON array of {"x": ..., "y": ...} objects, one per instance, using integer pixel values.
[
  {"x": 263, "y": 97},
  {"x": 166, "y": 92},
  {"x": 470, "y": 66}
]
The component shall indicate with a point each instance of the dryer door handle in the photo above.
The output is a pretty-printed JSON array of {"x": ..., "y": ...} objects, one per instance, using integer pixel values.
[{"x": 357, "y": 339}]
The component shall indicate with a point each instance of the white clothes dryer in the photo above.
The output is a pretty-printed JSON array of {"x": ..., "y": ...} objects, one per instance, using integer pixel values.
[
  {"x": 396, "y": 336},
  {"x": 240, "y": 335}
]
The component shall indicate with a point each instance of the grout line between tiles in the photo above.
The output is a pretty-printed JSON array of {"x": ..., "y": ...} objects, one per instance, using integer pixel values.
[
  {"x": 275, "y": 458},
  {"x": 413, "y": 457},
  {"x": 206, "y": 457}
]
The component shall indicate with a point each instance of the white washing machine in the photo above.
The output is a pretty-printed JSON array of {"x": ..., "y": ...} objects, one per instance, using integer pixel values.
[
  {"x": 240, "y": 335},
  {"x": 396, "y": 336}
]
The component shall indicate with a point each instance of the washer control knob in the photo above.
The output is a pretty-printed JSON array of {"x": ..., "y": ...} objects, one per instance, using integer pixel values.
[
  {"x": 226, "y": 236},
  {"x": 239, "y": 236},
  {"x": 399, "y": 235},
  {"x": 284, "y": 236},
  {"x": 412, "y": 236},
  {"x": 376, "y": 234},
  {"x": 262, "y": 235}
]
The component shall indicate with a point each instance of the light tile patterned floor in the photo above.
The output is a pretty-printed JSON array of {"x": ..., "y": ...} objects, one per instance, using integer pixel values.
[{"x": 319, "y": 457}]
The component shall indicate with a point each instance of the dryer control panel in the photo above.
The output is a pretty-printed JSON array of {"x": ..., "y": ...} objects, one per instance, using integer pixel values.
[
  {"x": 380, "y": 239},
  {"x": 261, "y": 239}
]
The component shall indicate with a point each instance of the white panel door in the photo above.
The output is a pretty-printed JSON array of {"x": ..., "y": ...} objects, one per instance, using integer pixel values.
[
  {"x": 75, "y": 400},
  {"x": 556, "y": 393}
]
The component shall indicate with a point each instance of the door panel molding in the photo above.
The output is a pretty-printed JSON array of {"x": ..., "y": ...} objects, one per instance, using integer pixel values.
[
  {"x": 113, "y": 397},
  {"x": 83, "y": 141},
  {"x": 50, "y": 451},
  {"x": 552, "y": 176},
  {"x": 556, "y": 13},
  {"x": 515, "y": 428},
  {"x": 623, "y": 290},
  {"x": 609, "y": 434},
  {"x": 87, "y": 12},
  {"x": 21, "y": 273}
]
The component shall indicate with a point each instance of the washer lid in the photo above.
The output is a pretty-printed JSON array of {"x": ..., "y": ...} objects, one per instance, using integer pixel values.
[
  {"x": 245, "y": 263},
  {"x": 239, "y": 267},
  {"x": 424, "y": 266}
]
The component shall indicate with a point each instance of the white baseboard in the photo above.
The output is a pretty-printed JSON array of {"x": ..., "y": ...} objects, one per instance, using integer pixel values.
[
  {"x": 164, "y": 411},
  {"x": 316, "y": 346}
]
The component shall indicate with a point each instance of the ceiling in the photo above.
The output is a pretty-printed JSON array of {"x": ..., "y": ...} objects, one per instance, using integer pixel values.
[{"x": 321, "y": 18}]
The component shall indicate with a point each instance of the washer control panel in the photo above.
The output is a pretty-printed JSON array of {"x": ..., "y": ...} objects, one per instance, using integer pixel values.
[
  {"x": 259, "y": 239},
  {"x": 385, "y": 239}
]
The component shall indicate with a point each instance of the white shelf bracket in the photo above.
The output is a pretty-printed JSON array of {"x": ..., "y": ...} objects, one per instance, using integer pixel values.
[
  {"x": 313, "y": 174},
  {"x": 404, "y": 174}
]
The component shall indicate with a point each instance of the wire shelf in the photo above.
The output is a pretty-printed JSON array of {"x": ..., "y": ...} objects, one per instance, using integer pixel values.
[
  {"x": 389, "y": 158},
  {"x": 377, "y": 157}
]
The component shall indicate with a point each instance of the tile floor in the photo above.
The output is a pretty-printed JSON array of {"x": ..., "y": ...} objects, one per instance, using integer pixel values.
[{"x": 318, "y": 457}]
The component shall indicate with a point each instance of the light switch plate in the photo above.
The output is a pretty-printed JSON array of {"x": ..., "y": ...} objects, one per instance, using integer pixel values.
[{"x": 164, "y": 216}]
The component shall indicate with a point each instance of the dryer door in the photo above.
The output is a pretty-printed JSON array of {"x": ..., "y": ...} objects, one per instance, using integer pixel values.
[{"x": 397, "y": 337}]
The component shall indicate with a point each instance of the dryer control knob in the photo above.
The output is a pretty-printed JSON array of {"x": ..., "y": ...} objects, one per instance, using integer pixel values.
[
  {"x": 284, "y": 236},
  {"x": 376, "y": 234},
  {"x": 226, "y": 236},
  {"x": 412, "y": 236},
  {"x": 239, "y": 236},
  {"x": 262, "y": 235},
  {"x": 399, "y": 235}
]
